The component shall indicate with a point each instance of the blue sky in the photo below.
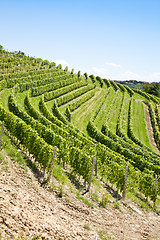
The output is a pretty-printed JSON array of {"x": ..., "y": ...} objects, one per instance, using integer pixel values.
[{"x": 115, "y": 39}]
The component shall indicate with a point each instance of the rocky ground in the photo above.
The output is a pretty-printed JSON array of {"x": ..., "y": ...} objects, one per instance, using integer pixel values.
[{"x": 30, "y": 211}]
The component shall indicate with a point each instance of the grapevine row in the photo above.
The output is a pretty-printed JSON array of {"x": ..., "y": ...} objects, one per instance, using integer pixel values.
[
  {"x": 72, "y": 95},
  {"x": 154, "y": 125},
  {"x": 82, "y": 99},
  {"x": 61, "y": 88},
  {"x": 58, "y": 82}
]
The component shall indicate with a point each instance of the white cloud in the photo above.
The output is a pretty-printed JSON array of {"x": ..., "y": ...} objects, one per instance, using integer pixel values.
[
  {"x": 100, "y": 70},
  {"x": 112, "y": 64},
  {"x": 128, "y": 75},
  {"x": 155, "y": 77},
  {"x": 63, "y": 62}
]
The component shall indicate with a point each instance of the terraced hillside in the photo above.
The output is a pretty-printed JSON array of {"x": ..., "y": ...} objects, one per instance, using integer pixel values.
[{"x": 43, "y": 106}]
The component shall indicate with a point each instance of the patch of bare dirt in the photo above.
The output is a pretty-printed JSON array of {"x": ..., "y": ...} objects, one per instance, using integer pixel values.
[
  {"x": 150, "y": 129},
  {"x": 138, "y": 100},
  {"x": 27, "y": 210}
]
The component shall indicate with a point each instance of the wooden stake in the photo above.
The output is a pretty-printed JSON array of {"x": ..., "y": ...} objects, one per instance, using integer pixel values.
[
  {"x": 2, "y": 130},
  {"x": 44, "y": 171},
  {"x": 50, "y": 173},
  {"x": 94, "y": 160},
  {"x": 125, "y": 184}
]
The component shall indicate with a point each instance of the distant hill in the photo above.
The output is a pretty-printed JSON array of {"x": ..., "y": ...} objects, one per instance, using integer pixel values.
[
  {"x": 151, "y": 88},
  {"x": 132, "y": 83}
]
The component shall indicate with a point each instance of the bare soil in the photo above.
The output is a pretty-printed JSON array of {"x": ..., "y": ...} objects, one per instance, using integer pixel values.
[
  {"x": 150, "y": 129},
  {"x": 28, "y": 210}
]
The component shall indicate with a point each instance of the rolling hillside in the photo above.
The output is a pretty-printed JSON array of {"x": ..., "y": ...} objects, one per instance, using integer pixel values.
[{"x": 87, "y": 118}]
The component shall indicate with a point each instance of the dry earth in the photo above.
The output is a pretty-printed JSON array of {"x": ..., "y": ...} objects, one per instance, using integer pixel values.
[
  {"x": 150, "y": 129},
  {"x": 28, "y": 210}
]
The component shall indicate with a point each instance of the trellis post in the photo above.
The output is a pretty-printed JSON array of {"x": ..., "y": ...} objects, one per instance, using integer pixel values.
[{"x": 50, "y": 172}]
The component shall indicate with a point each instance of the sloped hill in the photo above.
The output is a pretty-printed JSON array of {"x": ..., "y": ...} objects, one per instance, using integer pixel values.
[{"x": 77, "y": 123}]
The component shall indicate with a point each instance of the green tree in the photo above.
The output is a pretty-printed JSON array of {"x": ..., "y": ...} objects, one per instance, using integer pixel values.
[{"x": 152, "y": 88}]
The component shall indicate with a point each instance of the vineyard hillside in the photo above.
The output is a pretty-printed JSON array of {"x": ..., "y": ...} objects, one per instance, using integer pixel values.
[{"x": 84, "y": 139}]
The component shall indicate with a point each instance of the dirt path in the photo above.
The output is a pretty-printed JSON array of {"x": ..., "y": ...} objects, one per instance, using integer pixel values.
[
  {"x": 150, "y": 129},
  {"x": 27, "y": 209}
]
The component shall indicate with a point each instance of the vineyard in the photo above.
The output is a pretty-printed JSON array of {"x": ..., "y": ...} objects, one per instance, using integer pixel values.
[{"x": 86, "y": 117}]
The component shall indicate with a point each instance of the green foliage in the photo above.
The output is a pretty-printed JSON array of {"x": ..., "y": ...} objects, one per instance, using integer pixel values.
[
  {"x": 121, "y": 87},
  {"x": 114, "y": 85},
  {"x": 154, "y": 125},
  {"x": 60, "y": 192},
  {"x": 79, "y": 74},
  {"x": 85, "y": 200},
  {"x": 39, "y": 60},
  {"x": 93, "y": 78},
  {"x": 32, "y": 77},
  {"x": 1, "y": 48},
  {"x": 57, "y": 113},
  {"x": 86, "y": 75},
  {"x": 68, "y": 114},
  {"x": 53, "y": 85},
  {"x": 129, "y": 90},
  {"x": 130, "y": 126},
  {"x": 66, "y": 69},
  {"x": 74, "y": 94},
  {"x": 45, "y": 62},
  {"x": 3, "y": 84},
  {"x": 59, "y": 66},
  {"x": 62, "y": 88},
  {"x": 107, "y": 82},
  {"x": 103, "y": 201},
  {"x": 87, "y": 227},
  {"x": 12, "y": 152},
  {"x": 132, "y": 84},
  {"x": 82, "y": 99},
  {"x": 152, "y": 88},
  {"x": 28, "y": 137},
  {"x": 124, "y": 149},
  {"x": 52, "y": 65},
  {"x": 39, "y": 131},
  {"x": 147, "y": 186},
  {"x": 100, "y": 81},
  {"x": 148, "y": 96},
  {"x": 116, "y": 205}
]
